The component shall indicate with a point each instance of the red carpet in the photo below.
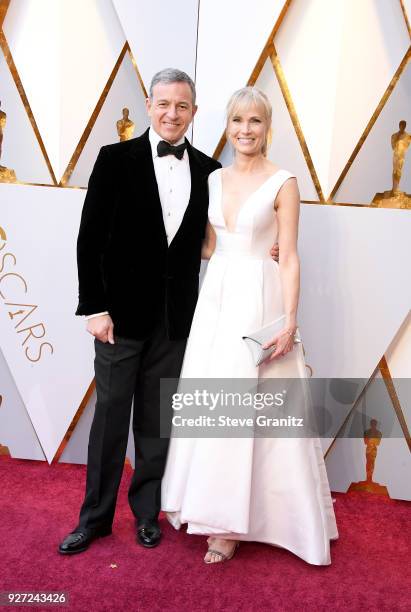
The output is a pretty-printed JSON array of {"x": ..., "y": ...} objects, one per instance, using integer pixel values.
[{"x": 370, "y": 562}]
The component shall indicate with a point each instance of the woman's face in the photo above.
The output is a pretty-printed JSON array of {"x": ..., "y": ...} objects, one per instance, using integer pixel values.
[{"x": 247, "y": 130}]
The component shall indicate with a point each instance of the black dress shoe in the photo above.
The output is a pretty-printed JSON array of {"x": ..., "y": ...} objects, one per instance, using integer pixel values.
[
  {"x": 78, "y": 541},
  {"x": 148, "y": 532}
]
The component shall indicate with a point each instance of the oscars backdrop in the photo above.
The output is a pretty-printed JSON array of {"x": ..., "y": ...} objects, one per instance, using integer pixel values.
[{"x": 74, "y": 76}]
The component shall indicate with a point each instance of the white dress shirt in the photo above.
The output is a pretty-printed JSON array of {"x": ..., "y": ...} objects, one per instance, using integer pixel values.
[{"x": 174, "y": 186}]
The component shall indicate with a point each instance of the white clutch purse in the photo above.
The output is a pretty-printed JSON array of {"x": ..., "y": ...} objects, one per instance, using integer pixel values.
[{"x": 257, "y": 339}]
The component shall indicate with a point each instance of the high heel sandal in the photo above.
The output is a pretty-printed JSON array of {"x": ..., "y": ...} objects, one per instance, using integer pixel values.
[{"x": 221, "y": 556}]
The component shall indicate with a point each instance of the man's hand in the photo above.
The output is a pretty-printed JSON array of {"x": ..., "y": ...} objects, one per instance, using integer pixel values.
[
  {"x": 275, "y": 252},
  {"x": 101, "y": 328}
]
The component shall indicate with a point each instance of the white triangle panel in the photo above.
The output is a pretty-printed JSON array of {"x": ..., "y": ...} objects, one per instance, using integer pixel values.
[
  {"x": 345, "y": 463},
  {"x": 393, "y": 468},
  {"x": 354, "y": 287},
  {"x": 285, "y": 150},
  {"x": 125, "y": 91},
  {"x": 308, "y": 45},
  {"x": 231, "y": 37},
  {"x": 160, "y": 34},
  {"x": 32, "y": 30},
  {"x": 88, "y": 57},
  {"x": 360, "y": 47},
  {"x": 46, "y": 347},
  {"x": 16, "y": 430},
  {"x": 371, "y": 170},
  {"x": 57, "y": 51},
  {"x": 20, "y": 151}
]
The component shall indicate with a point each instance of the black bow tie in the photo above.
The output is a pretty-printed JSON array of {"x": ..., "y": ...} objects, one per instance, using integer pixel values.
[{"x": 165, "y": 148}]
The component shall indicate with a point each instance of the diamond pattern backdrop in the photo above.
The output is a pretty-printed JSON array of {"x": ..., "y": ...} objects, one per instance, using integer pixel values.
[{"x": 338, "y": 77}]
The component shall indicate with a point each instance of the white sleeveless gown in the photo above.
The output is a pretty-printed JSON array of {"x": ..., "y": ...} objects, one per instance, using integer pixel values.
[{"x": 272, "y": 490}]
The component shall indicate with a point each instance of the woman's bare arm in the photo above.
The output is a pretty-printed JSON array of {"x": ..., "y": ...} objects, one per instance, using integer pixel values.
[{"x": 288, "y": 210}]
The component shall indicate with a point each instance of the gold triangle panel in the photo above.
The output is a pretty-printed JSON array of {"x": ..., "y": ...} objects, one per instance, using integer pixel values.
[
  {"x": 4, "y": 5},
  {"x": 407, "y": 21}
]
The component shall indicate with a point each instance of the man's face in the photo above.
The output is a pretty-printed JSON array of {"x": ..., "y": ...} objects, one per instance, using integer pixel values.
[{"x": 171, "y": 110}]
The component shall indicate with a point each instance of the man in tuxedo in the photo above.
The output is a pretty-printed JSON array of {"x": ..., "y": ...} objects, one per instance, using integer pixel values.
[{"x": 139, "y": 251}]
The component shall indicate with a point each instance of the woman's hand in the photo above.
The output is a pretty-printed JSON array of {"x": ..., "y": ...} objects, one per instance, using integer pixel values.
[{"x": 284, "y": 343}]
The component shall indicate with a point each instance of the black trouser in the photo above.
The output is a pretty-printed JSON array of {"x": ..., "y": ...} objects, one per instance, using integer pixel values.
[{"x": 125, "y": 369}]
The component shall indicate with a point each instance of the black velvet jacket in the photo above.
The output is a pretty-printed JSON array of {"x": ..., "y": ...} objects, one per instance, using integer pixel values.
[{"x": 125, "y": 265}]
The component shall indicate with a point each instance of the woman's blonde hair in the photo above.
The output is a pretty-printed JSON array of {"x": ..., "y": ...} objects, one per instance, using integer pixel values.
[{"x": 249, "y": 96}]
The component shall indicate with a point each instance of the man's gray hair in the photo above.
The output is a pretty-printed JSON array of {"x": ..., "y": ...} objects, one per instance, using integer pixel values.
[{"x": 172, "y": 75}]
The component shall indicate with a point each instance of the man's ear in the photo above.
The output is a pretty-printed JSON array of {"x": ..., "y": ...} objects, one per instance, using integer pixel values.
[
  {"x": 148, "y": 106},
  {"x": 194, "y": 109}
]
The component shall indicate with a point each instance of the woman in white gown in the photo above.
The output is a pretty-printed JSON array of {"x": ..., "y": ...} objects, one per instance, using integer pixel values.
[{"x": 272, "y": 490}]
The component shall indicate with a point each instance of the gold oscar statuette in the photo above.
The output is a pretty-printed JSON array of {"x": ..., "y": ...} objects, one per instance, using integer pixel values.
[
  {"x": 125, "y": 127},
  {"x": 7, "y": 175},
  {"x": 395, "y": 198},
  {"x": 4, "y": 450},
  {"x": 372, "y": 439}
]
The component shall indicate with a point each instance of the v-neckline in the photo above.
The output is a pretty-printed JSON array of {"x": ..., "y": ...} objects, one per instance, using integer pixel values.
[{"x": 243, "y": 204}]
